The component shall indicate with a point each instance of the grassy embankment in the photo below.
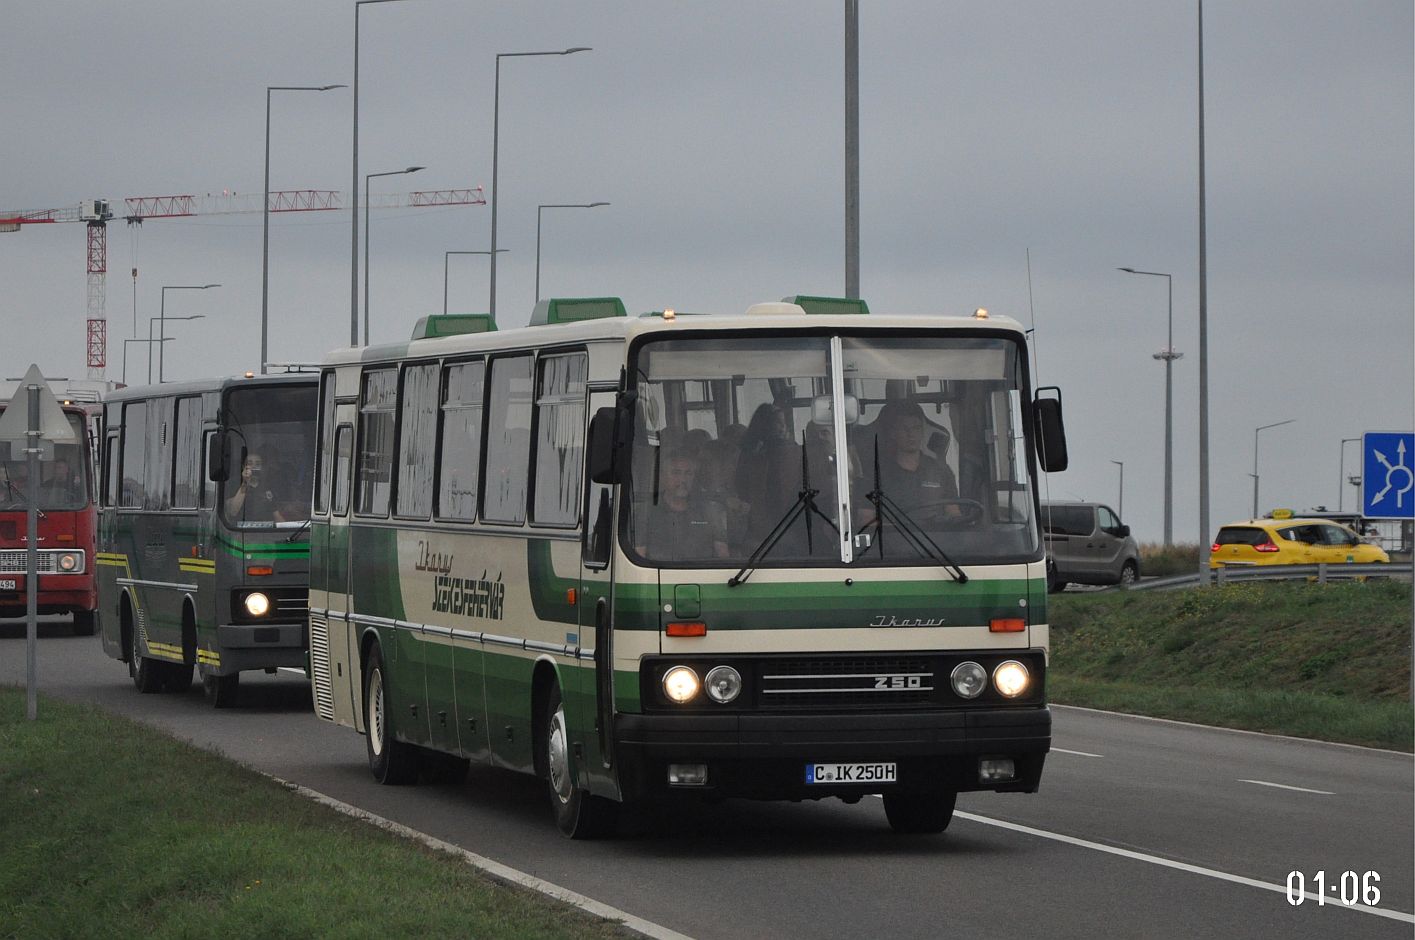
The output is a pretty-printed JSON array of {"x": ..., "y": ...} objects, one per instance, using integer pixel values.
[
  {"x": 111, "y": 829},
  {"x": 1319, "y": 661}
]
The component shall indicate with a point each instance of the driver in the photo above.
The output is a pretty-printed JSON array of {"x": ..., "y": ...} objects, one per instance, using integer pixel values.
[{"x": 912, "y": 479}]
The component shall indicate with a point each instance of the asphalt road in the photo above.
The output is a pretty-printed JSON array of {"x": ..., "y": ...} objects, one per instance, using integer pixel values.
[{"x": 1142, "y": 828}]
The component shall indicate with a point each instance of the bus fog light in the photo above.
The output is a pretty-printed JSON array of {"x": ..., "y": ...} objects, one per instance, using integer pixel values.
[
  {"x": 723, "y": 684},
  {"x": 680, "y": 684},
  {"x": 687, "y": 775},
  {"x": 968, "y": 679},
  {"x": 68, "y": 562},
  {"x": 996, "y": 769},
  {"x": 257, "y": 604},
  {"x": 1011, "y": 678}
]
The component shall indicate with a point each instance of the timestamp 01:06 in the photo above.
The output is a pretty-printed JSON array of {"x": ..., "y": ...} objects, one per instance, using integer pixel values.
[{"x": 1348, "y": 887}]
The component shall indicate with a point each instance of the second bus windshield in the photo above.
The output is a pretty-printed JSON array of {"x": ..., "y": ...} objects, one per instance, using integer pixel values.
[
  {"x": 735, "y": 435},
  {"x": 270, "y": 447}
]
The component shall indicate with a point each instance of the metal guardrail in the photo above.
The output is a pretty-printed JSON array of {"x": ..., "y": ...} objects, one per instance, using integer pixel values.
[{"x": 1234, "y": 573}]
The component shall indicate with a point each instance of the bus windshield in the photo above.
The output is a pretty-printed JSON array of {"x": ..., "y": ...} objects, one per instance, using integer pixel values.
[
  {"x": 269, "y": 450},
  {"x": 63, "y": 481},
  {"x": 735, "y": 452}
]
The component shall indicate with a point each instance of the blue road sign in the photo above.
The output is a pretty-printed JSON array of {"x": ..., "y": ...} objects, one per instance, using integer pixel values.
[{"x": 1387, "y": 483}]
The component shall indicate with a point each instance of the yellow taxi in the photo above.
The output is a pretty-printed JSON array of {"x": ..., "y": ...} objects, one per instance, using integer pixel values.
[{"x": 1289, "y": 540}]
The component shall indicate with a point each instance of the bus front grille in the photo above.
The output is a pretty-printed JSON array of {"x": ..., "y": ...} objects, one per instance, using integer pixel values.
[
  {"x": 13, "y": 562},
  {"x": 319, "y": 661},
  {"x": 850, "y": 683}
]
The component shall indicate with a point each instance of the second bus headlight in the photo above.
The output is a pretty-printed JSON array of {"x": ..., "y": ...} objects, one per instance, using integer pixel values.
[
  {"x": 723, "y": 684},
  {"x": 1011, "y": 678},
  {"x": 69, "y": 562},
  {"x": 680, "y": 684},
  {"x": 257, "y": 604}
]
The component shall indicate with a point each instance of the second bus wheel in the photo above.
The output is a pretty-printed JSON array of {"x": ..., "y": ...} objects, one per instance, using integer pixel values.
[
  {"x": 392, "y": 761},
  {"x": 578, "y": 813},
  {"x": 221, "y": 690},
  {"x": 146, "y": 673},
  {"x": 919, "y": 812},
  {"x": 84, "y": 622}
]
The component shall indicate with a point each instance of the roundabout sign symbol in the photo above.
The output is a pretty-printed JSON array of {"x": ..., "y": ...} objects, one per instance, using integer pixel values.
[{"x": 1386, "y": 483}]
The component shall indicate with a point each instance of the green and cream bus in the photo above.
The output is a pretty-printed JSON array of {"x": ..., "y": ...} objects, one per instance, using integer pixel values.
[
  {"x": 203, "y": 546},
  {"x": 789, "y": 554}
]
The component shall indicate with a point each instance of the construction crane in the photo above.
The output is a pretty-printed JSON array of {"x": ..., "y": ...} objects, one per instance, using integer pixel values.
[{"x": 95, "y": 214}]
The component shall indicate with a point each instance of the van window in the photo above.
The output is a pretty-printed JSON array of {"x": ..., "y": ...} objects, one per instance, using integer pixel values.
[{"x": 1068, "y": 520}]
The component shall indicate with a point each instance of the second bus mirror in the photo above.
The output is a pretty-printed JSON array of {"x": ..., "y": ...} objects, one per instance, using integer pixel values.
[
  {"x": 601, "y": 457},
  {"x": 1050, "y": 433},
  {"x": 216, "y": 468}
]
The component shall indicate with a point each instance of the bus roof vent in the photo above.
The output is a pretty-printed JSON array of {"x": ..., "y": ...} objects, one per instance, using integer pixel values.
[
  {"x": 453, "y": 324},
  {"x": 574, "y": 309},
  {"x": 784, "y": 309},
  {"x": 830, "y": 305}
]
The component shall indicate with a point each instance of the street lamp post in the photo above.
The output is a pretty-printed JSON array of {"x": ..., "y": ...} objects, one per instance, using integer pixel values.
[
  {"x": 1341, "y": 471},
  {"x": 1264, "y": 427},
  {"x": 162, "y": 319},
  {"x": 1120, "y": 509},
  {"x": 1167, "y": 355},
  {"x": 561, "y": 205},
  {"x": 160, "y": 341},
  {"x": 411, "y": 169},
  {"x": 265, "y": 219},
  {"x": 495, "y": 141},
  {"x": 149, "y": 340},
  {"x": 354, "y": 190},
  {"x": 447, "y": 256}
]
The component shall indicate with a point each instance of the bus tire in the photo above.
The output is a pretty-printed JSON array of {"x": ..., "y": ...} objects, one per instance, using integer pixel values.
[
  {"x": 391, "y": 761},
  {"x": 221, "y": 690},
  {"x": 920, "y": 813},
  {"x": 85, "y": 621},
  {"x": 578, "y": 813},
  {"x": 146, "y": 673}
]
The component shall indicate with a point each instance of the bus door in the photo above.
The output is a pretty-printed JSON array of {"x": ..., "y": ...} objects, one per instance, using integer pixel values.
[
  {"x": 332, "y": 545},
  {"x": 595, "y": 600}
]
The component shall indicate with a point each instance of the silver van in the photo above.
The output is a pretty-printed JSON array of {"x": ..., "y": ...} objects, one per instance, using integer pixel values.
[{"x": 1087, "y": 544}]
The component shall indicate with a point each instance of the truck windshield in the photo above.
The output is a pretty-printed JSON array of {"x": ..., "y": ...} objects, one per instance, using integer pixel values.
[
  {"x": 63, "y": 479},
  {"x": 269, "y": 450},
  {"x": 735, "y": 449}
]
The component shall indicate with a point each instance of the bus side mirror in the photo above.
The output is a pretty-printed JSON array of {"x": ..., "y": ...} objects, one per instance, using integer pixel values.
[
  {"x": 216, "y": 468},
  {"x": 601, "y": 457},
  {"x": 1050, "y": 432}
]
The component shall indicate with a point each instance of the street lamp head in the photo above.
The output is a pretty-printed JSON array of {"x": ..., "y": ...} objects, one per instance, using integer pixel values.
[
  {"x": 414, "y": 169},
  {"x": 1127, "y": 270},
  {"x": 574, "y": 49},
  {"x": 594, "y": 204},
  {"x": 330, "y": 87},
  {"x": 206, "y": 286}
]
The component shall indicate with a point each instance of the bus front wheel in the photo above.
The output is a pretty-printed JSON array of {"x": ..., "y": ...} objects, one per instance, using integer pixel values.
[
  {"x": 220, "y": 690},
  {"x": 578, "y": 814},
  {"x": 145, "y": 673},
  {"x": 920, "y": 813},
  {"x": 392, "y": 761},
  {"x": 84, "y": 622}
]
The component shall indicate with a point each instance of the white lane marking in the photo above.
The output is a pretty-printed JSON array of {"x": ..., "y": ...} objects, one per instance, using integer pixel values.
[
  {"x": 493, "y": 868},
  {"x": 1168, "y": 863},
  {"x": 1261, "y": 734},
  {"x": 1283, "y": 786},
  {"x": 1062, "y": 750}
]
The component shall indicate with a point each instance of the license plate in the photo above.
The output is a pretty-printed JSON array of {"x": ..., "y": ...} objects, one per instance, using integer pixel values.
[
  {"x": 9, "y": 584},
  {"x": 851, "y": 773}
]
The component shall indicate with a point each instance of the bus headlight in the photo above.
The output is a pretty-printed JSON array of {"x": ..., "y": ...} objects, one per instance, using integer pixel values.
[
  {"x": 723, "y": 684},
  {"x": 680, "y": 684},
  {"x": 69, "y": 562},
  {"x": 1011, "y": 678},
  {"x": 257, "y": 604},
  {"x": 968, "y": 679}
]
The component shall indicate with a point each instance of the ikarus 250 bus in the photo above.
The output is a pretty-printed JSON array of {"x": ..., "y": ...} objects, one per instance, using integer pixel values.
[{"x": 790, "y": 554}]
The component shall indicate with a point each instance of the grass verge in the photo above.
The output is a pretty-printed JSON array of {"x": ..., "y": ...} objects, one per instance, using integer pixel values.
[
  {"x": 111, "y": 829},
  {"x": 1320, "y": 661}
]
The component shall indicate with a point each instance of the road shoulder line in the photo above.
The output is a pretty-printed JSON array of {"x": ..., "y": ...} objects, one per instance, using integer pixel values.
[{"x": 493, "y": 868}]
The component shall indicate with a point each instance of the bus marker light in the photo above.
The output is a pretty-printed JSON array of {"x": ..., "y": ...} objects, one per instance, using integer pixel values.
[
  {"x": 1007, "y": 625},
  {"x": 260, "y": 571},
  {"x": 694, "y": 628},
  {"x": 687, "y": 775},
  {"x": 65, "y": 538},
  {"x": 570, "y": 596},
  {"x": 996, "y": 769}
]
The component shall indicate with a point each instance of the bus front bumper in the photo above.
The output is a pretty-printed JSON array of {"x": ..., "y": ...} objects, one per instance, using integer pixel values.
[
  {"x": 258, "y": 646},
  {"x": 765, "y": 756}
]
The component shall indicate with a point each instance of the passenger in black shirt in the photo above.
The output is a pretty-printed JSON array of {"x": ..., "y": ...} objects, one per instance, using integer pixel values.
[
  {"x": 679, "y": 525},
  {"x": 916, "y": 482}
]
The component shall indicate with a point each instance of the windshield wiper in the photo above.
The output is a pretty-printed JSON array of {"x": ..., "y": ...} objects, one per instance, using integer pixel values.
[
  {"x": 913, "y": 533},
  {"x": 805, "y": 503},
  {"x": 303, "y": 526},
  {"x": 20, "y": 498}
]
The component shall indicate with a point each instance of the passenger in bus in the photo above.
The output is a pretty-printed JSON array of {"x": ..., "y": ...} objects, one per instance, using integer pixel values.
[
  {"x": 680, "y": 524},
  {"x": 768, "y": 471},
  {"x": 61, "y": 488}
]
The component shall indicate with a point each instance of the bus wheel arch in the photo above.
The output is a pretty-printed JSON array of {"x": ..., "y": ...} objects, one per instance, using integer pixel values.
[{"x": 544, "y": 678}]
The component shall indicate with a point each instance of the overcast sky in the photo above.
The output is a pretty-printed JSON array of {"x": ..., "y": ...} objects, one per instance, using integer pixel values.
[{"x": 988, "y": 130}]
